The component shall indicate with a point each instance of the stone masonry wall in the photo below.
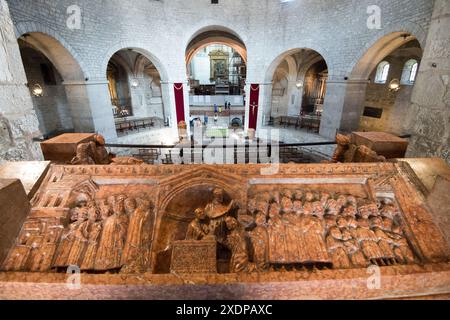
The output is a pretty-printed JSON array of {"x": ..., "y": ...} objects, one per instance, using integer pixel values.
[
  {"x": 429, "y": 116},
  {"x": 18, "y": 121}
]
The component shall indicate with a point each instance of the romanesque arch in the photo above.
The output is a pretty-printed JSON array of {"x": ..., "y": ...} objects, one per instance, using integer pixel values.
[
  {"x": 55, "y": 48},
  {"x": 52, "y": 67},
  {"x": 293, "y": 66},
  {"x": 396, "y": 48},
  {"x": 134, "y": 81},
  {"x": 225, "y": 56},
  {"x": 214, "y": 35}
]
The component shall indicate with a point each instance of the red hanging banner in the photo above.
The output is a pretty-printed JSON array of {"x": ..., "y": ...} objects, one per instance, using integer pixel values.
[
  {"x": 179, "y": 101},
  {"x": 254, "y": 106}
]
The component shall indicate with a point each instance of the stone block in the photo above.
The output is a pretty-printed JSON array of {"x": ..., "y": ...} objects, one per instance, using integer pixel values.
[
  {"x": 384, "y": 144},
  {"x": 14, "y": 208},
  {"x": 63, "y": 148}
]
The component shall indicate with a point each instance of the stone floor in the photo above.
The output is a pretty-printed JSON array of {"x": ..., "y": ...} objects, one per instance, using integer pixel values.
[
  {"x": 292, "y": 135},
  {"x": 162, "y": 136}
]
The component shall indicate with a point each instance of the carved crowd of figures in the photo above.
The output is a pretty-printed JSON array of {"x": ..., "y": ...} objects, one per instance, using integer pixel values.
[
  {"x": 302, "y": 229},
  {"x": 107, "y": 235}
]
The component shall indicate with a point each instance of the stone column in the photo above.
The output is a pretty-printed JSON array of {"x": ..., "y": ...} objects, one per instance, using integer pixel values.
[
  {"x": 265, "y": 103},
  {"x": 18, "y": 120},
  {"x": 293, "y": 106},
  {"x": 428, "y": 119},
  {"x": 137, "y": 94},
  {"x": 91, "y": 109},
  {"x": 343, "y": 106}
]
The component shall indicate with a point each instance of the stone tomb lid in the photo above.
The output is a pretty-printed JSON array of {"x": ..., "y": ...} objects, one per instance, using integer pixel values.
[
  {"x": 380, "y": 137},
  {"x": 69, "y": 138}
]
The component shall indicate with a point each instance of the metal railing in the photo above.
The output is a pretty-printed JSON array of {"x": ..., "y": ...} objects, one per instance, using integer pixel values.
[{"x": 247, "y": 152}]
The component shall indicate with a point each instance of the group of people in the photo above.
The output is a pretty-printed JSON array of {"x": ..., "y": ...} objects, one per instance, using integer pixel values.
[
  {"x": 302, "y": 229},
  {"x": 108, "y": 235},
  {"x": 219, "y": 109},
  {"x": 299, "y": 228}
]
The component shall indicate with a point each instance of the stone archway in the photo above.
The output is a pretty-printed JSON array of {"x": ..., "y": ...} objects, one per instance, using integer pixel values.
[
  {"x": 135, "y": 87},
  {"x": 346, "y": 97},
  {"x": 294, "y": 64},
  {"x": 178, "y": 199},
  {"x": 76, "y": 92},
  {"x": 211, "y": 49}
]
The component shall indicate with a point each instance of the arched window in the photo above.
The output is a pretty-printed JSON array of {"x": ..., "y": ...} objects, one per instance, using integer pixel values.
[
  {"x": 382, "y": 72},
  {"x": 410, "y": 72}
]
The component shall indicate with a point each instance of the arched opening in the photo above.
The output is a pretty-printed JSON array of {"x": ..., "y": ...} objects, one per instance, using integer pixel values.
[
  {"x": 388, "y": 92},
  {"x": 49, "y": 67},
  {"x": 382, "y": 72},
  {"x": 216, "y": 63},
  {"x": 410, "y": 72},
  {"x": 173, "y": 225},
  {"x": 134, "y": 85},
  {"x": 299, "y": 83}
]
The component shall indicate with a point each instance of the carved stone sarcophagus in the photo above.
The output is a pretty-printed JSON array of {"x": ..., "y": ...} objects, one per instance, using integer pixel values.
[{"x": 299, "y": 221}]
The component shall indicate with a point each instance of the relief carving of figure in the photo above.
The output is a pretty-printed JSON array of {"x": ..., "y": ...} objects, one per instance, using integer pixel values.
[
  {"x": 80, "y": 235},
  {"x": 135, "y": 250},
  {"x": 336, "y": 247},
  {"x": 260, "y": 243},
  {"x": 113, "y": 238},
  {"x": 216, "y": 211},
  {"x": 384, "y": 242},
  {"x": 277, "y": 236},
  {"x": 199, "y": 228},
  {"x": 78, "y": 216},
  {"x": 367, "y": 238},
  {"x": 92, "y": 232},
  {"x": 237, "y": 244},
  {"x": 402, "y": 251},
  {"x": 314, "y": 232}
]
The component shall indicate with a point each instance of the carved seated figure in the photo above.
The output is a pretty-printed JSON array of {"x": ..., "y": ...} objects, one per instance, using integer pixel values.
[
  {"x": 94, "y": 152},
  {"x": 199, "y": 228}
]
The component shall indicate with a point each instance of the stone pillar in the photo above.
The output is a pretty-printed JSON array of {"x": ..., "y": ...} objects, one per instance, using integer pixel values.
[
  {"x": 428, "y": 119},
  {"x": 91, "y": 109},
  {"x": 18, "y": 120},
  {"x": 292, "y": 104},
  {"x": 265, "y": 103},
  {"x": 137, "y": 94},
  {"x": 343, "y": 106}
]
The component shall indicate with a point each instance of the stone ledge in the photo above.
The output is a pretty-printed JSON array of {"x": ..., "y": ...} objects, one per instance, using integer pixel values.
[{"x": 400, "y": 282}]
